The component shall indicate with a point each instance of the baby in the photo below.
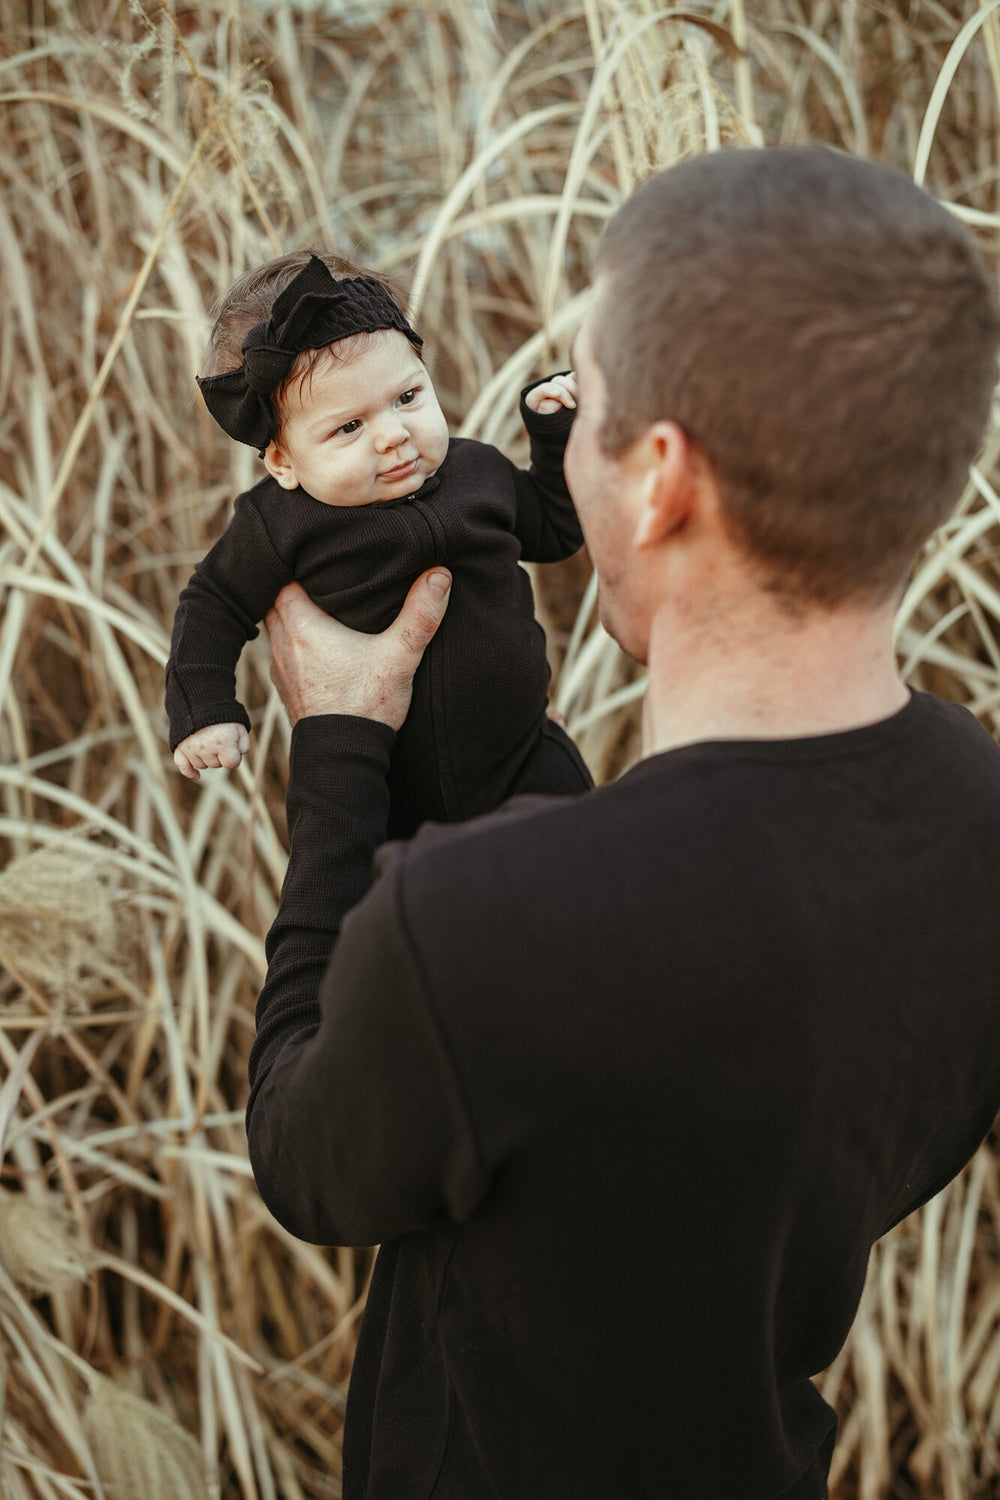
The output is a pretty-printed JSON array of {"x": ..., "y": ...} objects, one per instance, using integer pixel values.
[{"x": 312, "y": 362}]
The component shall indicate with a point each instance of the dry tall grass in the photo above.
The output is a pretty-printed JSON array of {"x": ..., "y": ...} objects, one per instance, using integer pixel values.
[{"x": 159, "y": 1334}]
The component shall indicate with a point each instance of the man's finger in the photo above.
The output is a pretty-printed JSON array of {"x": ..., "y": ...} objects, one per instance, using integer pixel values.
[
  {"x": 423, "y": 610},
  {"x": 283, "y": 610}
]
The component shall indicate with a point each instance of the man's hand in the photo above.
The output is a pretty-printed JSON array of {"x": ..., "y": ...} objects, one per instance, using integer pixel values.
[
  {"x": 217, "y": 745},
  {"x": 321, "y": 667},
  {"x": 561, "y": 390}
]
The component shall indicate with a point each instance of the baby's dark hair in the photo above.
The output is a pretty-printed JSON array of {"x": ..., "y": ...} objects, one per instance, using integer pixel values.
[{"x": 249, "y": 301}]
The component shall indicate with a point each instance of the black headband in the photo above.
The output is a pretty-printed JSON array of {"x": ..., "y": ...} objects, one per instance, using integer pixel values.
[{"x": 314, "y": 310}]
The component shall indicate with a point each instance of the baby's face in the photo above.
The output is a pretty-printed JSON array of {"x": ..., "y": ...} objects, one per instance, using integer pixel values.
[{"x": 367, "y": 430}]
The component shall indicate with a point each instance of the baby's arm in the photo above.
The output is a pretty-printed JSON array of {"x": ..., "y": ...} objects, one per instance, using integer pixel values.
[
  {"x": 217, "y": 745},
  {"x": 230, "y": 590},
  {"x": 561, "y": 390},
  {"x": 546, "y": 524}
]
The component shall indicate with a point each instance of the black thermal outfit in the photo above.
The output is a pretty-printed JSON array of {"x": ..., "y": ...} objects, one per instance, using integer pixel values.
[
  {"x": 477, "y": 728},
  {"x": 626, "y": 1085}
]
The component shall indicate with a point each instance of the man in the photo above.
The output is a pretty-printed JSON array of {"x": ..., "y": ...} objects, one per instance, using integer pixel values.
[{"x": 627, "y": 1085}]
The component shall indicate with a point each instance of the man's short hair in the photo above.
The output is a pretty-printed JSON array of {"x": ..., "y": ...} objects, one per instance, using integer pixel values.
[{"x": 826, "y": 333}]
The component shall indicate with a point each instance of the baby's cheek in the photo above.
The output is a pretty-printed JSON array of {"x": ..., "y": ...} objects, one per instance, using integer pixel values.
[{"x": 436, "y": 441}]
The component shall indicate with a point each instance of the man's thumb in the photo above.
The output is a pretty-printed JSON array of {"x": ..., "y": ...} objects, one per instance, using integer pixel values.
[{"x": 424, "y": 609}]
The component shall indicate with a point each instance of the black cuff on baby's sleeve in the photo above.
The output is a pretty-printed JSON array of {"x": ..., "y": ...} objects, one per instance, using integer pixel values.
[{"x": 546, "y": 423}]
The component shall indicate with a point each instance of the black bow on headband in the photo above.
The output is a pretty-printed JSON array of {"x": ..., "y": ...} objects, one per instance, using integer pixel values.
[{"x": 314, "y": 310}]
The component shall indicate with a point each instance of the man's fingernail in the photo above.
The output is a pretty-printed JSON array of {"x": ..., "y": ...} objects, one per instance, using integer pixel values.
[{"x": 440, "y": 583}]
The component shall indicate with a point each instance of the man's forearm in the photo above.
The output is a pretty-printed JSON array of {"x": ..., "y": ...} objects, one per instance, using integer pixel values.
[{"x": 338, "y": 805}]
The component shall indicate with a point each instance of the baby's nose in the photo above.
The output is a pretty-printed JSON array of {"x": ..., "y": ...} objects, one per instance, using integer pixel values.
[{"x": 390, "y": 433}]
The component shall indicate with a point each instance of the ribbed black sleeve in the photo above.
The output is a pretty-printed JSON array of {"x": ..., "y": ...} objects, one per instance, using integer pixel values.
[
  {"x": 357, "y": 1125},
  {"x": 229, "y": 592},
  {"x": 546, "y": 523},
  {"x": 337, "y": 808}
]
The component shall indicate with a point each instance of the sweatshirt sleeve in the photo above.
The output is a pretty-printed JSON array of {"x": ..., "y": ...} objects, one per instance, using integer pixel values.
[
  {"x": 229, "y": 592},
  {"x": 546, "y": 524},
  {"x": 356, "y": 1123}
]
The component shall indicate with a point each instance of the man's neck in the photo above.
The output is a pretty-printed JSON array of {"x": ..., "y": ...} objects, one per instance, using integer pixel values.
[{"x": 762, "y": 673}]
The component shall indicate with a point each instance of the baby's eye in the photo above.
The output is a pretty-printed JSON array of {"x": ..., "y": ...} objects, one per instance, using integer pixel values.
[
  {"x": 408, "y": 396},
  {"x": 349, "y": 427}
]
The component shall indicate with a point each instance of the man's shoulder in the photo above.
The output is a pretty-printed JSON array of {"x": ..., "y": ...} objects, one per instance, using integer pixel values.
[
  {"x": 939, "y": 716},
  {"x": 951, "y": 758},
  {"x": 707, "y": 806}
]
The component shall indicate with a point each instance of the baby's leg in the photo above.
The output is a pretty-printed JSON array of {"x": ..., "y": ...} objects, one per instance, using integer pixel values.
[
  {"x": 404, "y": 817},
  {"x": 553, "y": 766}
]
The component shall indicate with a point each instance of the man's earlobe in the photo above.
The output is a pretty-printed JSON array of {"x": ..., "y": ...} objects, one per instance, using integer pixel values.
[
  {"x": 667, "y": 485},
  {"x": 278, "y": 465}
]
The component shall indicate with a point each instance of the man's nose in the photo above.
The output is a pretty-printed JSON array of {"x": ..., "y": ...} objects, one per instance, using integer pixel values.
[{"x": 391, "y": 432}]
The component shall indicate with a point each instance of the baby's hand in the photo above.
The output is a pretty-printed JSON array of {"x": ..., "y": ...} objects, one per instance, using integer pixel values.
[
  {"x": 216, "y": 745},
  {"x": 551, "y": 394}
]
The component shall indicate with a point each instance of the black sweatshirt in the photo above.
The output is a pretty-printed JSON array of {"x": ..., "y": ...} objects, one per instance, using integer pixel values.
[
  {"x": 626, "y": 1085},
  {"x": 479, "y": 696}
]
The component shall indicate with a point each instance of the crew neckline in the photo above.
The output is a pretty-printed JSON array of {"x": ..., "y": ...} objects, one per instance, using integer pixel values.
[{"x": 824, "y": 746}]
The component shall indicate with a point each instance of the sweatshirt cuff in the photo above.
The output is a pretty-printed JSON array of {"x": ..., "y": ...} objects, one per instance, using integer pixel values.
[{"x": 324, "y": 745}]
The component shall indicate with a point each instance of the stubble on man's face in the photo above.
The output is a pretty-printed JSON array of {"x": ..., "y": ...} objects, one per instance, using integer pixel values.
[{"x": 598, "y": 484}]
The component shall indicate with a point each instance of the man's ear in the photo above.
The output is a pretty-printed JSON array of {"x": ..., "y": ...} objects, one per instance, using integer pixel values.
[
  {"x": 668, "y": 483},
  {"x": 279, "y": 466}
]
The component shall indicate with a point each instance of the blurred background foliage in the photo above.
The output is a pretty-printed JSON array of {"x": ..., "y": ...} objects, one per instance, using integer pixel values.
[{"x": 159, "y": 1334}]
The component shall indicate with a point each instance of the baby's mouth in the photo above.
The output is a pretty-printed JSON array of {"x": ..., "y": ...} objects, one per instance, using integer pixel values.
[{"x": 401, "y": 471}]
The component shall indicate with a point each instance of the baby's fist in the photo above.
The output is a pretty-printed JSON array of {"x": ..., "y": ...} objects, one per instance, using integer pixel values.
[
  {"x": 217, "y": 745},
  {"x": 561, "y": 390}
]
